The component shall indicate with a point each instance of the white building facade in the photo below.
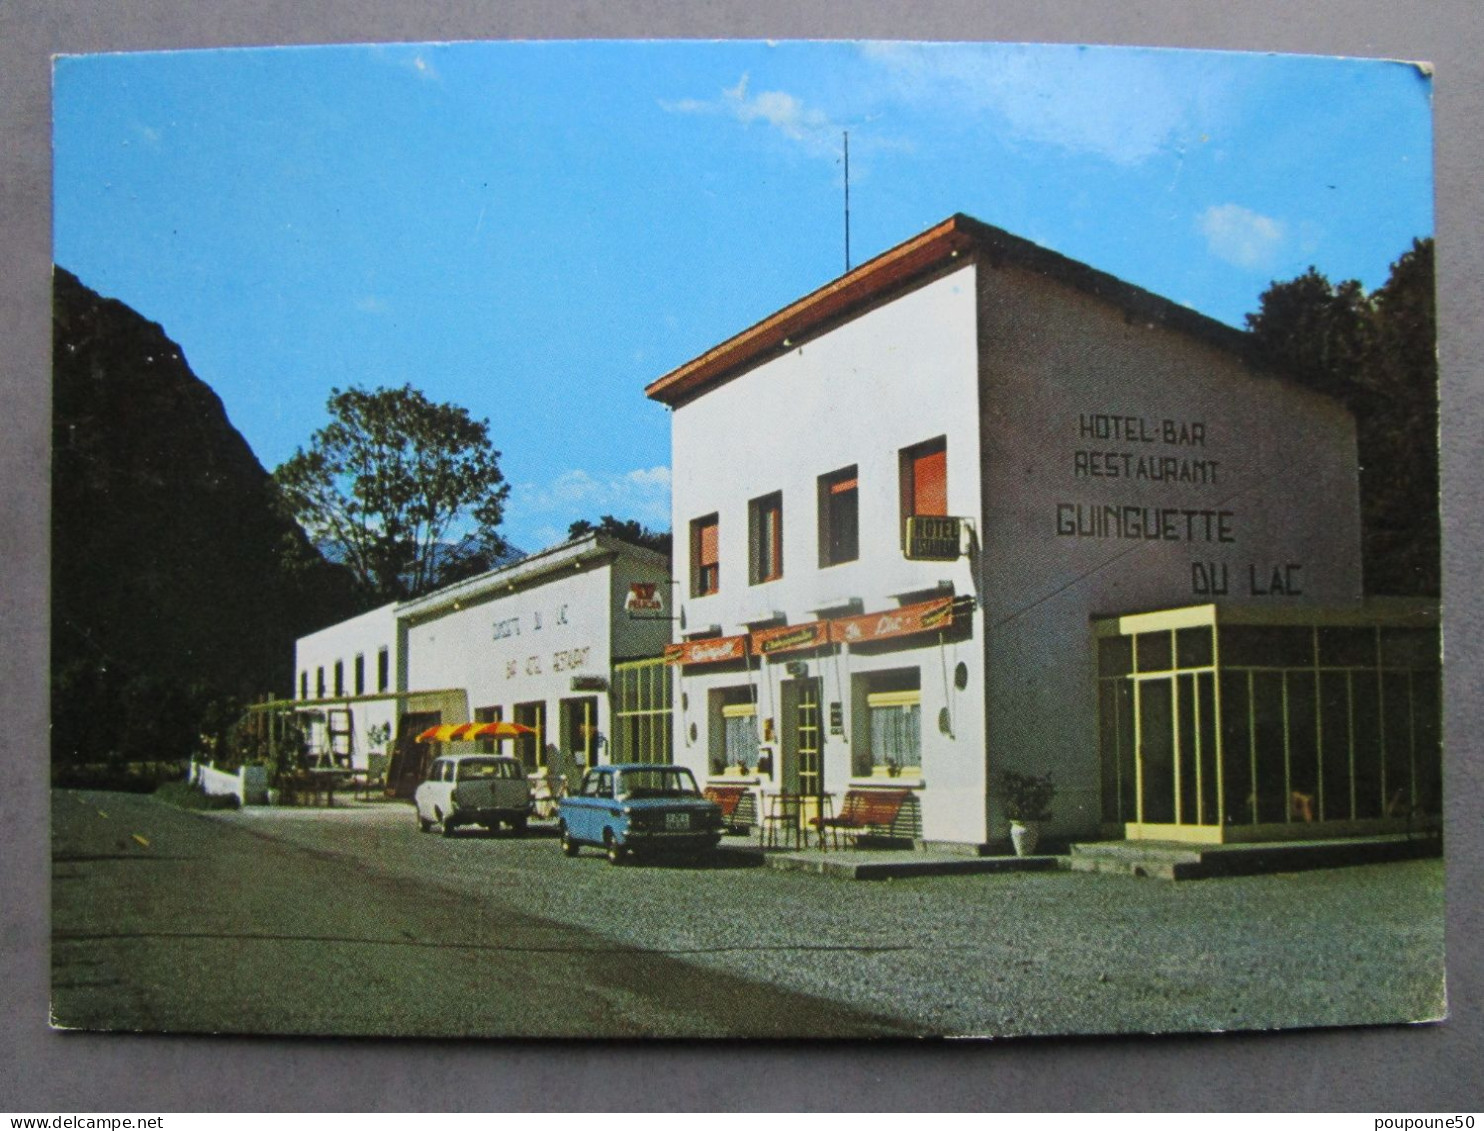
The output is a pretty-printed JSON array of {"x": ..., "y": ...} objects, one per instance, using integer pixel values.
[
  {"x": 1108, "y": 453},
  {"x": 534, "y": 642}
]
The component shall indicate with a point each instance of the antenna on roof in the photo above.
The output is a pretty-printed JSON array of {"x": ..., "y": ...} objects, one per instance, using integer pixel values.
[{"x": 847, "y": 201}]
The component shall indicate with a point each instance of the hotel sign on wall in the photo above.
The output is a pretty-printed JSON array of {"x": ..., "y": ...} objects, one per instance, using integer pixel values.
[
  {"x": 1136, "y": 464},
  {"x": 934, "y": 538}
]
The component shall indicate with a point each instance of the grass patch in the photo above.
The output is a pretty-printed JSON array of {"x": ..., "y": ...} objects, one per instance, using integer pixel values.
[{"x": 187, "y": 796}]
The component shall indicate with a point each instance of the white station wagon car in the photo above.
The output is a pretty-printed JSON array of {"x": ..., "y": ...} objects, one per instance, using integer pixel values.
[{"x": 474, "y": 789}]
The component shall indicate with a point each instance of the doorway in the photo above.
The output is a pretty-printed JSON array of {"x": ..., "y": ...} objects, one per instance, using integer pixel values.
[
  {"x": 579, "y": 730},
  {"x": 531, "y": 748},
  {"x": 803, "y": 740},
  {"x": 410, "y": 757}
]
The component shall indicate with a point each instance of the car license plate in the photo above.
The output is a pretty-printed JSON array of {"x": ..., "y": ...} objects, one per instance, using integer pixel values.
[{"x": 677, "y": 820}]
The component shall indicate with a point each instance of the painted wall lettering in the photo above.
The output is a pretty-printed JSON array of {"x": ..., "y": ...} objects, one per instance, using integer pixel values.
[
  {"x": 510, "y": 626},
  {"x": 1154, "y": 524},
  {"x": 1275, "y": 581},
  {"x": 1209, "y": 579},
  {"x": 1140, "y": 430},
  {"x": 1213, "y": 579},
  {"x": 1087, "y": 464},
  {"x": 569, "y": 659}
]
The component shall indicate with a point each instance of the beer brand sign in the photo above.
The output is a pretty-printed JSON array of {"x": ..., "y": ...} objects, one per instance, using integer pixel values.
[
  {"x": 645, "y": 597},
  {"x": 790, "y": 638},
  {"x": 929, "y": 616},
  {"x": 716, "y": 650}
]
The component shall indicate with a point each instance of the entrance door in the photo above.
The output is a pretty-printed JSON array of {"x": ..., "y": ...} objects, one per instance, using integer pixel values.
[
  {"x": 803, "y": 740},
  {"x": 531, "y": 748},
  {"x": 579, "y": 730},
  {"x": 1176, "y": 749}
]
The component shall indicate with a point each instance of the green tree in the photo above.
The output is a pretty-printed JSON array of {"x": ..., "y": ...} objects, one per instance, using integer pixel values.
[
  {"x": 630, "y": 530},
  {"x": 406, "y": 491},
  {"x": 1376, "y": 353}
]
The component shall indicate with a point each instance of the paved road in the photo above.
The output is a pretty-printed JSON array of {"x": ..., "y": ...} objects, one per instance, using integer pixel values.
[
  {"x": 164, "y": 919},
  {"x": 352, "y": 921}
]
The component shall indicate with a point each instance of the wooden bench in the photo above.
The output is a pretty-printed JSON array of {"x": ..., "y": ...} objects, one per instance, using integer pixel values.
[
  {"x": 729, "y": 798},
  {"x": 866, "y": 812}
]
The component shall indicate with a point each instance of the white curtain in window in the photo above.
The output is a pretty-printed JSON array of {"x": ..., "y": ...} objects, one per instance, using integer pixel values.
[
  {"x": 896, "y": 736},
  {"x": 741, "y": 739}
]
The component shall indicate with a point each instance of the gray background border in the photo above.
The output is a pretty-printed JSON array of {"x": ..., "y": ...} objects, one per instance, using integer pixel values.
[{"x": 1395, "y": 1069}]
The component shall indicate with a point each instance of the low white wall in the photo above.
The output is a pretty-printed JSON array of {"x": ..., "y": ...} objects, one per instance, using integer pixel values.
[{"x": 249, "y": 784}]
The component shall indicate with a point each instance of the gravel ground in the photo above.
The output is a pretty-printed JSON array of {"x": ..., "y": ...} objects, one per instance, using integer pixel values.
[{"x": 1029, "y": 953}]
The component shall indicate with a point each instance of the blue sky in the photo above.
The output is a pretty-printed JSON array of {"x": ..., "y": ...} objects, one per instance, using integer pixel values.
[{"x": 538, "y": 230}]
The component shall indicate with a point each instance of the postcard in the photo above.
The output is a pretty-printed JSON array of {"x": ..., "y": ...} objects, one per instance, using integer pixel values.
[{"x": 744, "y": 539}]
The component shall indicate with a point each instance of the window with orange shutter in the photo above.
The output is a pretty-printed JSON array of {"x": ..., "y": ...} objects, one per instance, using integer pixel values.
[
  {"x": 705, "y": 556},
  {"x": 924, "y": 481}
]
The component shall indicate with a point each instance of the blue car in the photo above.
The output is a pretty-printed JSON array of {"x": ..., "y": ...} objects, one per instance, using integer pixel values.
[{"x": 638, "y": 808}]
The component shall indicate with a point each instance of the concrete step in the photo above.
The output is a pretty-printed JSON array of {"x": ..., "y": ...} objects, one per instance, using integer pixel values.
[
  {"x": 1167, "y": 860},
  {"x": 885, "y": 865}
]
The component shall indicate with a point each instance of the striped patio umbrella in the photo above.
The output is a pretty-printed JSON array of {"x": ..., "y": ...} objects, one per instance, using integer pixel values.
[{"x": 468, "y": 732}]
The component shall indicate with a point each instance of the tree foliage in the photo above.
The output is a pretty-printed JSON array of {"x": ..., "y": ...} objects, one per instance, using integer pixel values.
[
  {"x": 628, "y": 529},
  {"x": 408, "y": 492},
  {"x": 1376, "y": 353}
]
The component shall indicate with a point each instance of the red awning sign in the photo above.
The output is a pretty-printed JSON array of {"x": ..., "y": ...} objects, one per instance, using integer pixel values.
[
  {"x": 790, "y": 638},
  {"x": 930, "y": 616},
  {"x": 713, "y": 650}
]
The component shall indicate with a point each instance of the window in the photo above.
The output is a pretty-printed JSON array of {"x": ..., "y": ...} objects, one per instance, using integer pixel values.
[
  {"x": 383, "y": 669},
  {"x": 304, "y": 684},
  {"x": 360, "y": 673},
  {"x": 319, "y": 683},
  {"x": 705, "y": 560},
  {"x": 893, "y": 719},
  {"x": 765, "y": 537},
  {"x": 339, "y": 677},
  {"x": 735, "y": 731},
  {"x": 924, "y": 481},
  {"x": 839, "y": 517}
]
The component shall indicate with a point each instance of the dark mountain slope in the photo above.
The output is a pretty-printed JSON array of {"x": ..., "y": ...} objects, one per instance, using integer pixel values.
[{"x": 175, "y": 580}]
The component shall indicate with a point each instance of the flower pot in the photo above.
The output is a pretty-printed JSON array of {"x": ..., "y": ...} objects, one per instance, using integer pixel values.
[{"x": 1025, "y": 835}]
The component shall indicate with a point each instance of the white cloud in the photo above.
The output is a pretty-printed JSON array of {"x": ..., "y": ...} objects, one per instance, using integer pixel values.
[
  {"x": 372, "y": 304},
  {"x": 784, "y": 112},
  {"x": 541, "y": 508},
  {"x": 1123, "y": 106},
  {"x": 1240, "y": 236}
]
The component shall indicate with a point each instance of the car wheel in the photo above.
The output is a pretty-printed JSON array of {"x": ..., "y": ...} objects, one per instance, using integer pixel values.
[
  {"x": 448, "y": 825},
  {"x": 612, "y": 848},
  {"x": 518, "y": 826},
  {"x": 569, "y": 846},
  {"x": 423, "y": 824}
]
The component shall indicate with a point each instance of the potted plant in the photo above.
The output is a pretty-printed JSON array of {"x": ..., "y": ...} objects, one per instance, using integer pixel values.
[{"x": 1027, "y": 804}]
